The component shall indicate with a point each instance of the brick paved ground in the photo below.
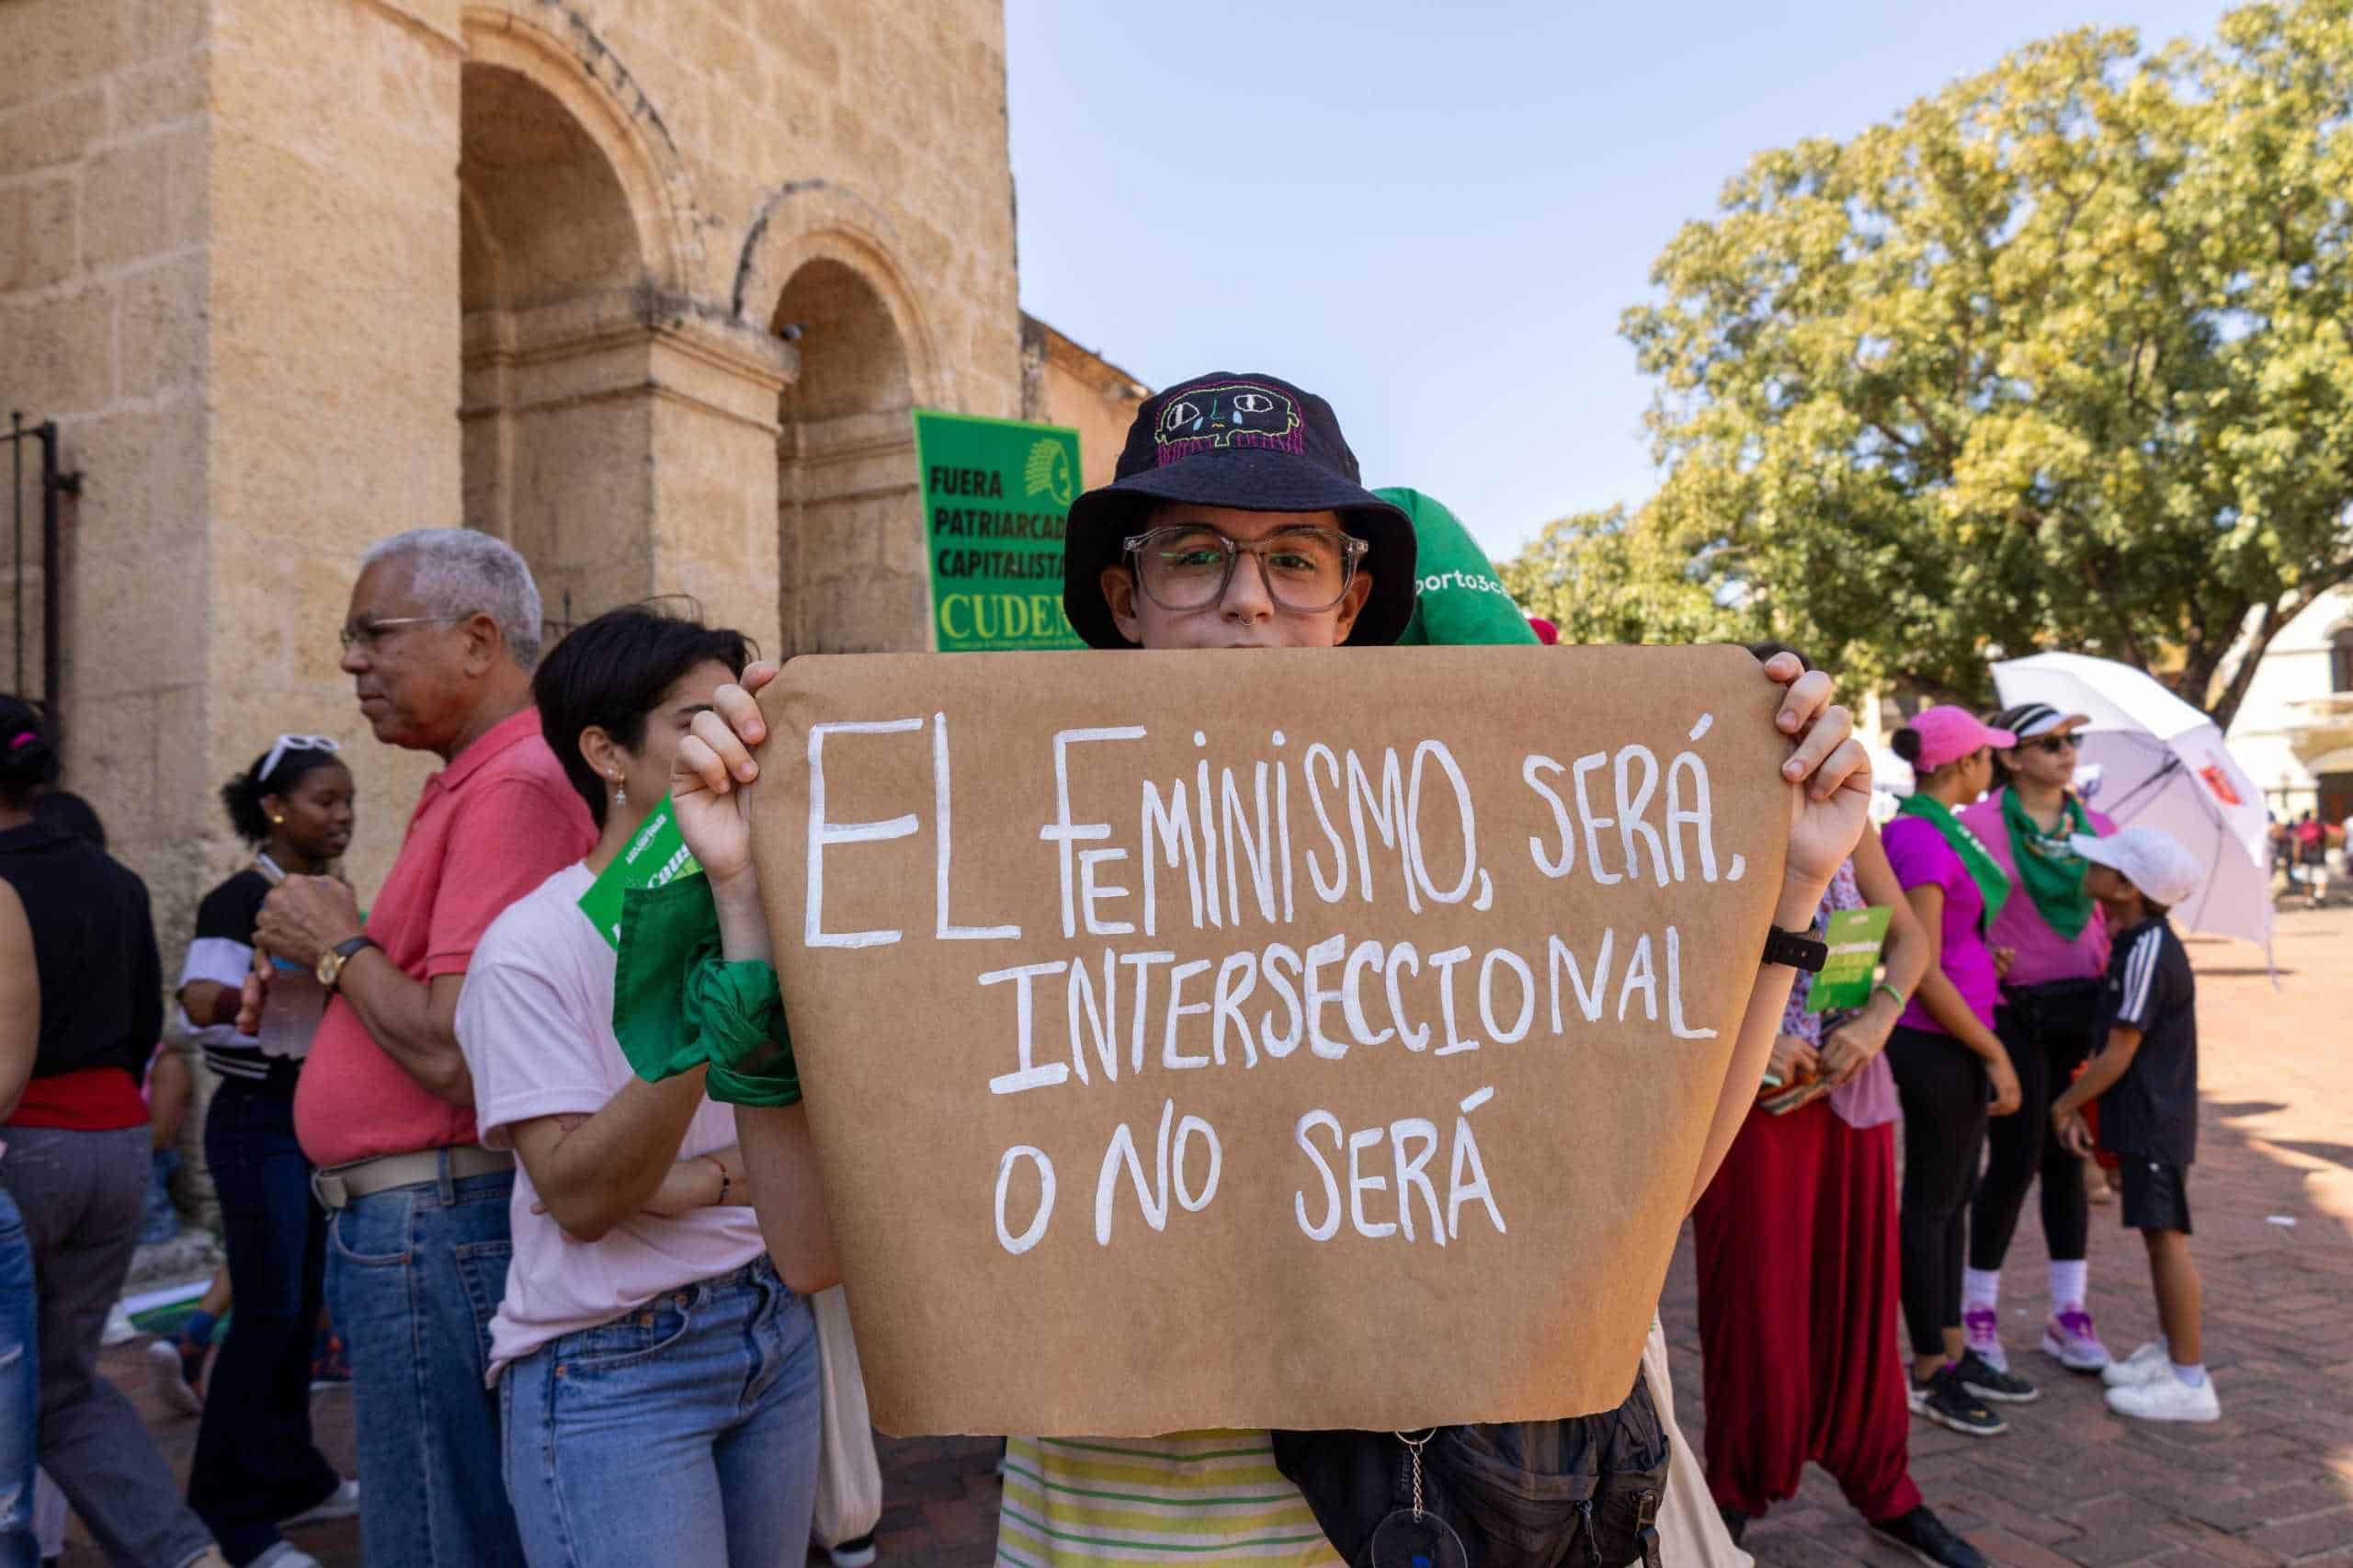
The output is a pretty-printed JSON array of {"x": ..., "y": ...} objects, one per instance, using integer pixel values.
[{"x": 2070, "y": 1485}]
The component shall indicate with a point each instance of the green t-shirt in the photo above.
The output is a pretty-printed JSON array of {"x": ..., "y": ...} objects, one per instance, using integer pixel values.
[{"x": 1458, "y": 597}]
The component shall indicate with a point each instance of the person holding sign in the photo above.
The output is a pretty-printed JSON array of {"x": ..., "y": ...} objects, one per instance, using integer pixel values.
[
  {"x": 644, "y": 1331},
  {"x": 1946, "y": 1056},
  {"x": 1236, "y": 521},
  {"x": 1797, "y": 1247},
  {"x": 2057, "y": 940}
]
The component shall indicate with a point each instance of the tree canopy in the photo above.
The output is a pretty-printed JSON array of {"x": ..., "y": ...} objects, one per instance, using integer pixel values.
[{"x": 2057, "y": 357}]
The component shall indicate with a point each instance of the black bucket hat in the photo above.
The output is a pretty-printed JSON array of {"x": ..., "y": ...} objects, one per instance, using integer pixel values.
[{"x": 1252, "y": 442}]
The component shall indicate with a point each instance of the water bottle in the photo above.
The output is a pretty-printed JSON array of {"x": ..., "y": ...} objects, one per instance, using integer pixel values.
[{"x": 290, "y": 1011}]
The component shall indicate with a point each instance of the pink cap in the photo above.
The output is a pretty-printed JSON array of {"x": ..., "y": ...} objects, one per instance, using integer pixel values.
[{"x": 1948, "y": 734}]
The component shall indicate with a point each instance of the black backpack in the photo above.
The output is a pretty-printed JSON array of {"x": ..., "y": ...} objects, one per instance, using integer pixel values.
[{"x": 1580, "y": 1492}]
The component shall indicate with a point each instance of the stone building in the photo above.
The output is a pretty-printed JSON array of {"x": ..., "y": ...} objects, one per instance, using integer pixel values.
[
  {"x": 645, "y": 286},
  {"x": 2293, "y": 732}
]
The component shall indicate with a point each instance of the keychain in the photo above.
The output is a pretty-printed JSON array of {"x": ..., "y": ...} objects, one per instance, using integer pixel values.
[{"x": 1410, "y": 1537}]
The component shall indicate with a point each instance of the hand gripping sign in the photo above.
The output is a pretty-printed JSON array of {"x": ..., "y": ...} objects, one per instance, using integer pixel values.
[{"x": 1313, "y": 1039}]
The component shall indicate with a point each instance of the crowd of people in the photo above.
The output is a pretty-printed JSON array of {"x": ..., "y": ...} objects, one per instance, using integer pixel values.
[{"x": 552, "y": 1192}]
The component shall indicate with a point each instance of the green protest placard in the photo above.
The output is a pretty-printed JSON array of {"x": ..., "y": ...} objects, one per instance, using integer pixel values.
[
  {"x": 1855, "y": 938},
  {"x": 655, "y": 855},
  {"x": 994, "y": 494}
]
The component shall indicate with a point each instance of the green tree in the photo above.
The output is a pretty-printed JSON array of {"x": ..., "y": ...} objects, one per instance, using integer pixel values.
[
  {"x": 2056, "y": 359},
  {"x": 1602, "y": 578}
]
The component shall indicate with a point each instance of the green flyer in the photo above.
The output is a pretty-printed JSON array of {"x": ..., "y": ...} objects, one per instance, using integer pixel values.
[
  {"x": 655, "y": 856},
  {"x": 994, "y": 494},
  {"x": 1855, "y": 938}
]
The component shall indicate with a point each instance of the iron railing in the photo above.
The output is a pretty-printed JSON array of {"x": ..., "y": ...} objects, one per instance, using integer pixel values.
[{"x": 54, "y": 483}]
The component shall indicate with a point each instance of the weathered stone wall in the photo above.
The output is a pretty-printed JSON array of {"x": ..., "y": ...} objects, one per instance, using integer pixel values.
[
  {"x": 1063, "y": 383},
  {"x": 104, "y": 266},
  {"x": 294, "y": 275}
]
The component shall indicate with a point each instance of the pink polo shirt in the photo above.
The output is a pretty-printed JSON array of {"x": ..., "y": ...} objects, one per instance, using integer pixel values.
[
  {"x": 2042, "y": 955},
  {"x": 490, "y": 827}
]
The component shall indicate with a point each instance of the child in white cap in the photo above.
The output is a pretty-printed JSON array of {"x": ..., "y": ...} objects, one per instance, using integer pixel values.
[{"x": 2145, "y": 1079}]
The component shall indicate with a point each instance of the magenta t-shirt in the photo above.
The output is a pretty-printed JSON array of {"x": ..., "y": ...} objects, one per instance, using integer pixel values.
[
  {"x": 1922, "y": 859},
  {"x": 2042, "y": 955}
]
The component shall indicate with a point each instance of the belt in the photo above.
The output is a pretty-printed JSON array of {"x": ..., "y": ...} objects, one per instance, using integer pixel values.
[{"x": 336, "y": 1186}]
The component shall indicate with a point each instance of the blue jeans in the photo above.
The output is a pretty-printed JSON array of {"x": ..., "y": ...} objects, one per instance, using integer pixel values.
[
  {"x": 256, "y": 1464},
  {"x": 683, "y": 1433},
  {"x": 413, "y": 1276},
  {"x": 160, "y": 1221},
  {"x": 80, "y": 1195},
  {"x": 19, "y": 1389}
]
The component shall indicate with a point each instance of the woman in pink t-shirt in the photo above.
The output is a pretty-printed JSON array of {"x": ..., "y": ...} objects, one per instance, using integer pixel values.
[
  {"x": 2057, "y": 941},
  {"x": 1944, "y": 1053},
  {"x": 657, "y": 1371}
]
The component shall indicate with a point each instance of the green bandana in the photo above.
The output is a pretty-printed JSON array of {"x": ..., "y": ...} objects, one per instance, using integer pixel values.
[
  {"x": 1992, "y": 883},
  {"x": 678, "y": 1005},
  {"x": 2049, "y": 865}
]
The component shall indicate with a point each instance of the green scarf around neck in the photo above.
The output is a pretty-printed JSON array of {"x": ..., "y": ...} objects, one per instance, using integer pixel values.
[
  {"x": 1992, "y": 883},
  {"x": 2051, "y": 871}
]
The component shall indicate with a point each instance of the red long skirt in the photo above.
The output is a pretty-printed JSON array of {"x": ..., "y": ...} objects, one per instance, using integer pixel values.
[{"x": 1798, "y": 1315}]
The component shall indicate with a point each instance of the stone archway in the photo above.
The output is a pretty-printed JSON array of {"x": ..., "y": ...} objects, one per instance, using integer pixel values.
[
  {"x": 554, "y": 461},
  {"x": 852, "y": 572}
]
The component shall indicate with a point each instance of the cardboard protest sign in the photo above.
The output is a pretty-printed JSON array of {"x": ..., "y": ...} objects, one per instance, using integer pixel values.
[{"x": 1309, "y": 1039}]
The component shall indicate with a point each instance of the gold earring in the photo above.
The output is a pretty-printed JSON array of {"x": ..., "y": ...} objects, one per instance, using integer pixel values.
[
  {"x": 621, "y": 793},
  {"x": 281, "y": 821}
]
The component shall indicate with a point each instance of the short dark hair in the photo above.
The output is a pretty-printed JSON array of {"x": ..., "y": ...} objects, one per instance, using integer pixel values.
[
  {"x": 610, "y": 672},
  {"x": 242, "y": 796},
  {"x": 28, "y": 761}
]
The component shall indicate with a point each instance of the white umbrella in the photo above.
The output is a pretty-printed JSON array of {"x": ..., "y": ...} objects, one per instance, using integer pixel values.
[{"x": 2163, "y": 764}]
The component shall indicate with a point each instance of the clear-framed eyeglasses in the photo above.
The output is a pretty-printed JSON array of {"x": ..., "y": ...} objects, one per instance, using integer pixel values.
[
  {"x": 369, "y": 633},
  {"x": 1186, "y": 566}
]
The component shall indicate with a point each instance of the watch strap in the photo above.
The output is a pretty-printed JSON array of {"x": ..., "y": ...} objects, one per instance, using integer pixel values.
[
  {"x": 344, "y": 952},
  {"x": 1796, "y": 950}
]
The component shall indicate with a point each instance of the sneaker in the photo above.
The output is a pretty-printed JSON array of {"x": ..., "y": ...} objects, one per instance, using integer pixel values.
[
  {"x": 854, "y": 1553},
  {"x": 1982, "y": 1327},
  {"x": 178, "y": 1378},
  {"x": 2166, "y": 1398},
  {"x": 285, "y": 1554},
  {"x": 2147, "y": 1362},
  {"x": 2070, "y": 1340},
  {"x": 1925, "y": 1536},
  {"x": 1988, "y": 1381},
  {"x": 342, "y": 1502},
  {"x": 119, "y": 1329},
  {"x": 1943, "y": 1400}
]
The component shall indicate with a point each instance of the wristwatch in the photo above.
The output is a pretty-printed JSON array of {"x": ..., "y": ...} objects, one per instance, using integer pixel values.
[
  {"x": 331, "y": 963},
  {"x": 1795, "y": 948}
]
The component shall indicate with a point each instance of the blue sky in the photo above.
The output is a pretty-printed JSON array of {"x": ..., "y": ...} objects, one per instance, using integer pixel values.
[{"x": 1433, "y": 213}]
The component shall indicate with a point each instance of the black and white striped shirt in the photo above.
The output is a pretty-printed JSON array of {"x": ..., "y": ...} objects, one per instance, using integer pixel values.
[{"x": 223, "y": 950}]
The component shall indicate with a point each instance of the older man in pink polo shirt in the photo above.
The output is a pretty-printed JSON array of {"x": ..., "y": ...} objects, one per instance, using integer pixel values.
[{"x": 440, "y": 639}]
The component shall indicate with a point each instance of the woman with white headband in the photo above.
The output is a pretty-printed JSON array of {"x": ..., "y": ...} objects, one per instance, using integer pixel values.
[{"x": 255, "y": 1466}]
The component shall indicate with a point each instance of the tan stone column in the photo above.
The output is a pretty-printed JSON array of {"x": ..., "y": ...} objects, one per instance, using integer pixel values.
[{"x": 714, "y": 466}]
